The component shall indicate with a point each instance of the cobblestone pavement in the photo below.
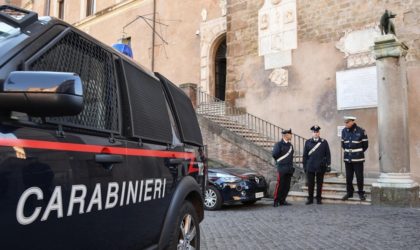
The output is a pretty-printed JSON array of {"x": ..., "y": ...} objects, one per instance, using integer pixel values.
[{"x": 326, "y": 226}]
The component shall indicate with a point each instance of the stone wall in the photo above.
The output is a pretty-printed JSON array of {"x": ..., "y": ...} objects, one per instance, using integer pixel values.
[
  {"x": 326, "y": 21},
  {"x": 241, "y": 39},
  {"x": 233, "y": 149},
  {"x": 310, "y": 97}
]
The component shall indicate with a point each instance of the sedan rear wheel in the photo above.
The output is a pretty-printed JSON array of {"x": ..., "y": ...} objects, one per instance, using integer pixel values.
[{"x": 212, "y": 199}]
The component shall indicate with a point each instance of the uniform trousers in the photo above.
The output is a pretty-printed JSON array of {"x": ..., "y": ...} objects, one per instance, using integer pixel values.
[
  {"x": 351, "y": 168},
  {"x": 311, "y": 184},
  {"x": 282, "y": 187}
]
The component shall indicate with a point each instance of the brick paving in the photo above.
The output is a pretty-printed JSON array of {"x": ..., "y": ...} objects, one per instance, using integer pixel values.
[{"x": 327, "y": 226}]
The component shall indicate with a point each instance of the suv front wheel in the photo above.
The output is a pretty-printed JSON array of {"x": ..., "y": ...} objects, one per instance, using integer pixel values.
[{"x": 187, "y": 233}]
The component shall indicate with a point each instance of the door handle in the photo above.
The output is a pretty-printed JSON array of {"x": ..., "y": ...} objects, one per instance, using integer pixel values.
[
  {"x": 175, "y": 161},
  {"x": 107, "y": 160}
]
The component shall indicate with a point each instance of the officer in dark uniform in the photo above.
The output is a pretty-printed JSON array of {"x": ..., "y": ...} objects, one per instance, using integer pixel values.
[
  {"x": 316, "y": 159},
  {"x": 283, "y": 155},
  {"x": 354, "y": 142}
]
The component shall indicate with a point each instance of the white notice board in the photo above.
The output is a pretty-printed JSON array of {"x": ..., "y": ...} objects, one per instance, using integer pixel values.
[{"x": 357, "y": 88}]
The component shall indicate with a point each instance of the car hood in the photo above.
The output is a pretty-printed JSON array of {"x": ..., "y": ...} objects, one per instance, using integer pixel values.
[{"x": 235, "y": 171}]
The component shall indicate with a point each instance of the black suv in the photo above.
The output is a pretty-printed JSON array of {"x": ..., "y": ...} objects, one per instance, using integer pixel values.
[{"x": 95, "y": 151}]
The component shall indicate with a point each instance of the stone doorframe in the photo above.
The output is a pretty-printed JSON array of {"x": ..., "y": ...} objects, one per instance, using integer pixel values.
[{"x": 212, "y": 33}]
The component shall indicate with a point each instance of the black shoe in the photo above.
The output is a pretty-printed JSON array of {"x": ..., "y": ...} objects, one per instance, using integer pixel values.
[
  {"x": 346, "y": 197},
  {"x": 362, "y": 197},
  {"x": 276, "y": 204},
  {"x": 319, "y": 202},
  {"x": 286, "y": 204},
  {"x": 309, "y": 202}
]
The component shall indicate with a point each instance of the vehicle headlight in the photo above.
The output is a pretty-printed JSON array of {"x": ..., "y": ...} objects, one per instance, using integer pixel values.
[{"x": 228, "y": 177}]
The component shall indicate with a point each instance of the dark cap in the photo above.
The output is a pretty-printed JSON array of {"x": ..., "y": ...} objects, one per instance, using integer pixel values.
[
  {"x": 315, "y": 128},
  {"x": 287, "y": 131}
]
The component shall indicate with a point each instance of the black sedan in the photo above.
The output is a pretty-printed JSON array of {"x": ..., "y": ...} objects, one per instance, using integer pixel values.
[{"x": 230, "y": 185}]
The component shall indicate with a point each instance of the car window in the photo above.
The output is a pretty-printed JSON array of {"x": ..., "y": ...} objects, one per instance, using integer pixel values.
[
  {"x": 148, "y": 103},
  {"x": 9, "y": 37},
  {"x": 95, "y": 66},
  {"x": 184, "y": 113}
]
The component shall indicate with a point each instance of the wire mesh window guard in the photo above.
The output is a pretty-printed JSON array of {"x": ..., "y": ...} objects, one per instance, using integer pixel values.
[{"x": 95, "y": 67}]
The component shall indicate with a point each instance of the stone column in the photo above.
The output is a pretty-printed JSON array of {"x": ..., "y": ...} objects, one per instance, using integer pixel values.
[
  {"x": 191, "y": 90},
  {"x": 394, "y": 186}
]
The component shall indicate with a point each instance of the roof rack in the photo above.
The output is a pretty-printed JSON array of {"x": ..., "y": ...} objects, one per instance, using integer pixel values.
[{"x": 17, "y": 17}]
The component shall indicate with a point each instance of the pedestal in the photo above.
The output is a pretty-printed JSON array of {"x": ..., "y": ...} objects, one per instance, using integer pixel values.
[{"x": 395, "y": 189}]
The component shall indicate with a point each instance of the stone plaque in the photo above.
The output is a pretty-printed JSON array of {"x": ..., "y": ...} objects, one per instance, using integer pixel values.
[
  {"x": 356, "y": 44},
  {"x": 278, "y": 60},
  {"x": 280, "y": 77},
  {"x": 277, "y": 27},
  {"x": 357, "y": 88}
]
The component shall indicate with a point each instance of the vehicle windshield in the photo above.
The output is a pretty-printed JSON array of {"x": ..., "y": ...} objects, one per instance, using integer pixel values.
[{"x": 9, "y": 37}]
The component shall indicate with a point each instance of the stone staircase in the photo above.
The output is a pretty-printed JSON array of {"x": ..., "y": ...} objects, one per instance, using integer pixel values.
[
  {"x": 253, "y": 129},
  {"x": 334, "y": 189},
  {"x": 232, "y": 125}
]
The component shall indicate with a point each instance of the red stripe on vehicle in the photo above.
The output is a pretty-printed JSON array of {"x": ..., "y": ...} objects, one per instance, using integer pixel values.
[
  {"x": 191, "y": 168},
  {"x": 24, "y": 143}
]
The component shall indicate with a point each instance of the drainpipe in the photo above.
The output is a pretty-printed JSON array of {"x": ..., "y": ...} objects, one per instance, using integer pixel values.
[
  {"x": 153, "y": 35},
  {"x": 47, "y": 7}
]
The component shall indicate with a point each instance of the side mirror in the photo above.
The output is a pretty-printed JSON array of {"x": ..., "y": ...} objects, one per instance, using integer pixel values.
[{"x": 42, "y": 93}]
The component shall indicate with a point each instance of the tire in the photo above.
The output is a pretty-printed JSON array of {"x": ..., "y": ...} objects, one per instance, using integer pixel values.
[
  {"x": 186, "y": 235},
  {"x": 250, "y": 202},
  {"x": 212, "y": 199}
]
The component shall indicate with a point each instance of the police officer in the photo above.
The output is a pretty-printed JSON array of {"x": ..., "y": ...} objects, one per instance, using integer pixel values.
[
  {"x": 354, "y": 142},
  {"x": 316, "y": 159},
  {"x": 283, "y": 155}
]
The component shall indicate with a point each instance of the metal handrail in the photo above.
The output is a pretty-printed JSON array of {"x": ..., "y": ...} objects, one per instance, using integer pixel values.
[{"x": 212, "y": 106}]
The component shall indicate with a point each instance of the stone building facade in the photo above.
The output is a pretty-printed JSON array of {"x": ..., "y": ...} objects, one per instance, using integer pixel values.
[
  {"x": 311, "y": 95},
  {"x": 293, "y": 83}
]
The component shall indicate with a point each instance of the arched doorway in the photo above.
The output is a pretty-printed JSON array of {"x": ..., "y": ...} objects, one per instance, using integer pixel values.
[{"x": 220, "y": 71}]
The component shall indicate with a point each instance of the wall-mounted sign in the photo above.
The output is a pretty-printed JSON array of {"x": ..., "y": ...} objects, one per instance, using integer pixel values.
[{"x": 357, "y": 88}]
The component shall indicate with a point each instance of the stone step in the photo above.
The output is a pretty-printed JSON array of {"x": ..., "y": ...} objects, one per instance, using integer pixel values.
[
  {"x": 338, "y": 182},
  {"x": 233, "y": 126},
  {"x": 211, "y": 105},
  {"x": 248, "y": 132},
  {"x": 255, "y": 136},
  {"x": 331, "y": 174},
  {"x": 367, "y": 181},
  {"x": 335, "y": 185},
  {"x": 211, "y": 112},
  {"x": 261, "y": 141},
  {"x": 333, "y": 190},
  {"x": 328, "y": 198},
  {"x": 219, "y": 119}
]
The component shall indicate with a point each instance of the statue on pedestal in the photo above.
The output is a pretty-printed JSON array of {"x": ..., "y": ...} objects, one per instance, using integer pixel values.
[{"x": 385, "y": 24}]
